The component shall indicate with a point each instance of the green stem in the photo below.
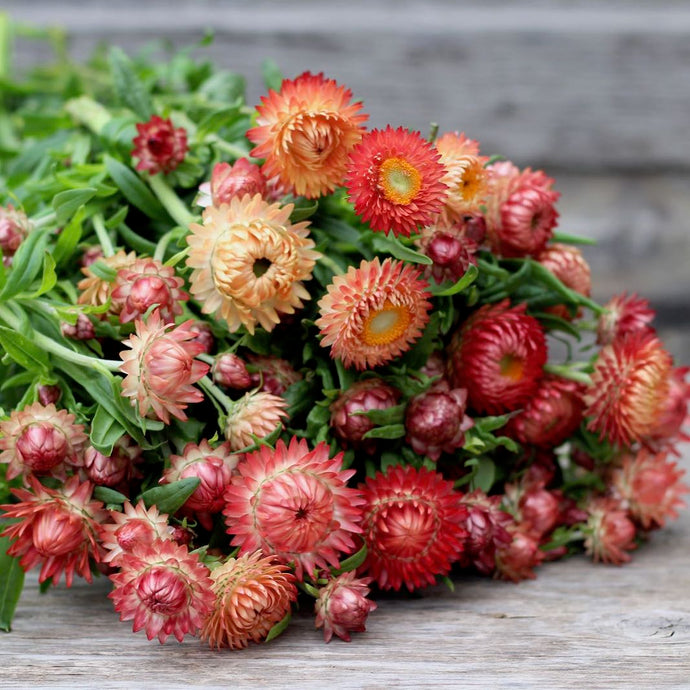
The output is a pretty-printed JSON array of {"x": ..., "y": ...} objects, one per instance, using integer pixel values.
[
  {"x": 209, "y": 359},
  {"x": 162, "y": 245},
  {"x": 568, "y": 372},
  {"x": 172, "y": 203},
  {"x": 217, "y": 394},
  {"x": 5, "y": 45},
  {"x": 102, "y": 234},
  {"x": 42, "y": 221},
  {"x": 49, "y": 345}
]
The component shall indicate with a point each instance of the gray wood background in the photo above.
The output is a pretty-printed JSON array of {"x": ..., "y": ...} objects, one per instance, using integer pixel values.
[
  {"x": 595, "y": 92},
  {"x": 578, "y": 625}
]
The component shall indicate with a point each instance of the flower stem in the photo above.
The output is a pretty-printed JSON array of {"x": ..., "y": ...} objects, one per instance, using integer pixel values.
[
  {"x": 162, "y": 245},
  {"x": 49, "y": 345},
  {"x": 171, "y": 202},
  {"x": 102, "y": 234},
  {"x": 216, "y": 393},
  {"x": 209, "y": 359},
  {"x": 568, "y": 372}
]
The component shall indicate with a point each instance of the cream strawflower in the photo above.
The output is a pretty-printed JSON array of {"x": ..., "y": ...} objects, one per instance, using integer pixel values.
[
  {"x": 254, "y": 414},
  {"x": 249, "y": 262}
]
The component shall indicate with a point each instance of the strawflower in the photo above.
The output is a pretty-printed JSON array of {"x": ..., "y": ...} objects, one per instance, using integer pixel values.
[
  {"x": 254, "y": 414},
  {"x": 610, "y": 532},
  {"x": 227, "y": 181},
  {"x": 160, "y": 147},
  {"x": 624, "y": 314}
]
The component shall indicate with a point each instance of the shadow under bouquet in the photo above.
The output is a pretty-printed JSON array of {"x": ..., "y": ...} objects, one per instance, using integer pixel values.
[{"x": 256, "y": 353}]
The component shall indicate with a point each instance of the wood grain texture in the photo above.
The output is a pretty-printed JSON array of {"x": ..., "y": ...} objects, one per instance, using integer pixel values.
[
  {"x": 578, "y": 84},
  {"x": 577, "y": 625}
]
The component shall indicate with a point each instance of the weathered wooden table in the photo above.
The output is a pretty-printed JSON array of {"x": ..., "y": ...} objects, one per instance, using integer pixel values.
[{"x": 577, "y": 625}]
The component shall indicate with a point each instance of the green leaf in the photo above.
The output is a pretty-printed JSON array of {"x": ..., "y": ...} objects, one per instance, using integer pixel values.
[
  {"x": 11, "y": 585},
  {"x": 101, "y": 270},
  {"x": 279, "y": 627},
  {"x": 66, "y": 204},
  {"x": 351, "y": 562},
  {"x": 484, "y": 474},
  {"x": 134, "y": 190},
  {"x": 273, "y": 77},
  {"x": 49, "y": 277},
  {"x": 489, "y": 424},
  {"x": 298, "y": 397},
  {"x": 303, "y": 209},
  {"x": 389, "y": 431},
  {"x": 391, "y": 415},
  {"x": 23, "y": 351},
  {"x": 109, "y": 496},
  {"x": 68, "y": 239},
  {"x": 117, "y": 218},
  {"x": 128, "y": 87},
  {"x": 216, "y": 120},
  {"x": 463, "y": 283},
  {"x": 169, "y": 498},
  {"x": 389, "y": 245},
  {"x": 26, "y": 264},
  {"x": 572, "y": 239},
  {"x": 105, "y": 431}
]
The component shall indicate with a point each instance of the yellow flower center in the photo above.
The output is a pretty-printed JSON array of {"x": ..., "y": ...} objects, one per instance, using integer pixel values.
[
  {"x": 471, "y": 183},
  {"x": 512, "y": 367},
  {"x": 386, "y": 325},
  {"x": 399, "y": 180}
]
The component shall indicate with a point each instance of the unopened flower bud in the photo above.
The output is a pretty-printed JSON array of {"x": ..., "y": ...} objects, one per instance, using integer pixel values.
[
  {"x": 48, "y": 394},
  {"x": 228, "y": 181},
  {"x": 610, "y": 533},
  {"x": 342, "y": 606},
  {"x": 82, "y": 330},
  {"x": 42, "y": 446},
  {"x": 91, "y": 255},
  {"x": 272, "y": 374},
  {"x": 436, "y": 422},
  {"x": 205, "y": 336},
  {"x": 14, "y": 227},
  {"x": 230, "y": 371}
]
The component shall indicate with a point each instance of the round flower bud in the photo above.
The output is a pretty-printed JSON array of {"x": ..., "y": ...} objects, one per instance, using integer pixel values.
[
  {"x": 82, "y": 330},
  {"x": 230, "y": 371},
  {"x": 272, "y": 374},
  {"x": 42, "y": 446},
  {"x": 14, "y": 227},
  {"x": 228, "y": 181},
  {"x": 48, "y": 394},
  {"x": 610, "y": 533}
]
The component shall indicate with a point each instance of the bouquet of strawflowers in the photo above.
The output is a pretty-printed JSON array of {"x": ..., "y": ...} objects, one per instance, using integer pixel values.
[{"x": 251, "y": 354}]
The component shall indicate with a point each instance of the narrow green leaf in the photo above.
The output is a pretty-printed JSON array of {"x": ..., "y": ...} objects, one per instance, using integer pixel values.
[
  {"x": 23, "y": 351},
  {"x": 491, "y": 423},
  {"x": 391, "y": 415},
  {"x": 279, "y": 627},
  {"x": 66, "y": 204},
  {"x": 389, "y": 431},
  {"x": 573, "y": 239},
  {"x": 101, "y": 270},
  {"x": 105, "y": 431},
  {"x": 118, "y": 217},
  {"x": 134, "y": 190},
  {"x": 68, "y": 239},
  {"x": 484, "y": 475},
  {"x": 26, "y": 264},
  {"x": 109, "y": 496},
  {"x": 11, "y": 585},
  {"x": 303, "y": 210},
  {"x": 391, "y": 246},
  {"x": 351, "y": 562},
  {"x": 273, "y": 77},
  {"x": 49, "y": 277},
  {"x": 169, "y": 498},
  {"x": 127, "y": 84},
  {"x": 462, "y": 284}
]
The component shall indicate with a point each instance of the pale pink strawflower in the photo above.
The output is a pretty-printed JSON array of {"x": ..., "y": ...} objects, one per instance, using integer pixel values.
[
  {"x": 342, "y": 606},
  {"x": 294, "y": 502},
  {"x": 204, "y": 336},
  {"x": 164, "y": 589},
  {"x": 96, "y": 291},
  {"x": 272, "y": 374},
  {"x": 624, "y": 314},
  {"x": 252, "y": 594},
  {"x": 228, "y": 181},
  {"x": 41, "y": 439},
  {"x": 347, "y": 421},
  {"x": 435, "y": 421},
  {"x": 255, "y": 414},
  {"x": 610, "y": 532},
  {"x": 137, "y": 525},
  {"x": 650, "y": 487},
  {"x": 674, "y": 415},
  {"x": 14, "y": 227},
  {"x": 145, "y": 283},
  {"x": 517, "y": 560},
  {"x": 160, "y": 368},
  {"x": 83, "y": 329},
  {"x": 57, "y": 529},
  {"x": 214, "y": 468},
  {"x": 116, "y": 468},
  {"x": 230, "y": 371}
]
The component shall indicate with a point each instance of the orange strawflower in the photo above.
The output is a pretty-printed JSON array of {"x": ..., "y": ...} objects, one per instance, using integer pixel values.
[
  {"x": 571, "y": 268},
  {"x": 94, "y": 290},
  {"x": 395, "y": 180},
  {"x": 249, "y": 262},
  {"x": 305, "y": 133},
  {"x": 252, "y": 593},
  {"x": 373, "y": 313}
]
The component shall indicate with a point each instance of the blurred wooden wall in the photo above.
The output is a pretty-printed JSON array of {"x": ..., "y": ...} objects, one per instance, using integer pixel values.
[{"x": 595, "y": 92}]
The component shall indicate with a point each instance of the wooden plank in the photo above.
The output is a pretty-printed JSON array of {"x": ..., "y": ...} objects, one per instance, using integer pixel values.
[
  {"x": 577, "y": 625},
  {"x": 575, "y": 85}
]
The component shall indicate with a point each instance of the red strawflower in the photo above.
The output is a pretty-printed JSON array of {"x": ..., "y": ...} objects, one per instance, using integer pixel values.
[
  {"x": 629, "y": 389},
  {"x": 625, "y": 314},
  {"x": 136, "y": 526},
  {"x": 674, "y": 415},
  {"x": 230, "y": 371},
  {"x": 373, "y": 313},
  {"x": 450, "y": 248},
  {"x": 435, "y": 421},
  {"x": 146, "y": 283},
  {"x": 14, "y": 227},
  {"x": 394, "y": 180},
  {"x": 57, "y": 528},
  {"x": 164, "y": 589},
  {"x": 498, "y": 356},
  {"x": 551, "y": 415},
  {"x": 213, "y": 467},
  {"x": 413, "y": 527},
  {"x": 306, "y": 132},
  {"x": 362, "y": 396},
  {"x": 650, "y": 486},
  {"x": 159, "y": 147},
  {"x": 228, "y": 181},
  {"x": 521, "y": 213},
  {"x": 294, "y": 502},
  {"x": 517, "y": 561},
  {"x": 610, "y": 533},
  {"x": 41, "y": 440},
  {"x": 272, "y": 374},
  {"x": 342, "y": 606},
  {"x": 252, "y": 594},
  {"x": 113, "y": 469},
  {"x": 537, "y": 510},
  {"x": 571, "y": 268},
  {"x": 487, "y": 530}
]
